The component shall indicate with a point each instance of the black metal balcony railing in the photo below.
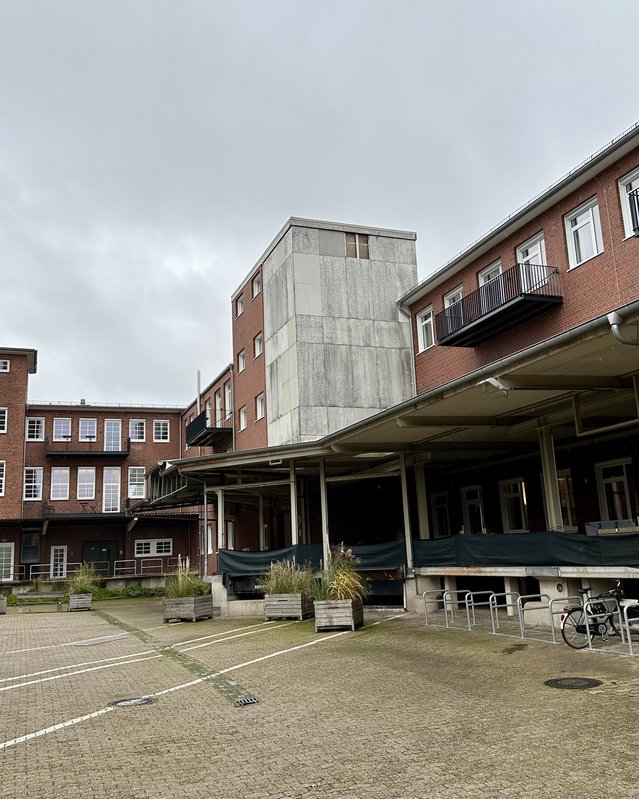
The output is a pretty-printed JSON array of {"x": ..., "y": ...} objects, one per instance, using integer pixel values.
[
  {"x": 511, "y": 297},
  {"x": 633, "y": 199},
  {"x": 69, "y": 448},
  {"x": 205, "y": 431}
]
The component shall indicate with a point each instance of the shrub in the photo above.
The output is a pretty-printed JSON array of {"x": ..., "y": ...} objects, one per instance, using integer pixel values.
[
  {"x": 185, "y": 582},
  {"x": 287, "y": 577},
  {"x": 84, "y": 580},
  {"x": 340, "y": 578}
]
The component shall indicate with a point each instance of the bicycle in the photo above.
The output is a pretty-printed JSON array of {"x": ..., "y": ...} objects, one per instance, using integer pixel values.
[{"x": 602, "y": 620}]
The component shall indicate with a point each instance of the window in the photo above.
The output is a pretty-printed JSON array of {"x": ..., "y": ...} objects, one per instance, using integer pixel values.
[
  {"x": 62, "y": 429},
  {"x": 259, "y": 406},
  {"x": 137, "y": 430},
  {"x": 241, "y": 361},
  {"x": 35, "y": 429},
  {"x": 5, "y": 366},
  {"x": 87, "y": 429},
  {"x": 33, "y": 483},
  {"x": 356, "y": 245},
  {"x": 111, "y": 489},
  {"x": 239, "y": 306},
  {"x": 243, "y": 418},
  {"x": 425, "y": 337},
  {"x": 30, "y": 548},
  {"x": 473, "y": 510},
  {"x": 441, "y": 521},
  {"x": 59, "y": 482},
  {"x": 86, "y": 483},
  {"x": 228, "y": 399},
  {"x": 491, "y": 289},
  {"x": 614, "y": 489},
  {"x": 136, "y": 482},
  {"x": 3, "y": 419},
  {"x": 218, "y": 408},
  {"x": 566, "y": 499},
  {"x": 112, "y": 435},
  {"x": 629, "y": 203},
  {"x": 154, "y": 546},
  {"x": 258, "y": 345},
  {"x": 454, "y": 316},
  {"x": 6, "y": 562},
  {"x": 531, "y": 258},
  {"x": 160, "y": 429},
  {"x": 256, "y": 285},
  {"x": 583, "y": 233},
  {"x": 514, "y": 510},
  {"x": 3, "y": 466}
]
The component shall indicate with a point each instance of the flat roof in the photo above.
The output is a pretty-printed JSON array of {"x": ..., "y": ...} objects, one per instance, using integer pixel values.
[{"x": 31, "y": 356}]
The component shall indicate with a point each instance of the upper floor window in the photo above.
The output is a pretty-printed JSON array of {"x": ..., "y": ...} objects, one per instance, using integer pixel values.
[
  {"x": 425, "y": 337},
  {"x": 62, "y": 429},
  {"x": 160, "y": 429},
  {"x": 86, "y": 482},
  {"x": 112, "y": 435},
  {"x": 228, "y": 398},
  {"x": 35, "y": 428},
  {"x": 259, "y": 406},
  {"x": 87, "y": 429},
  {"x": 241, "y": 361},
  {"x": 256, "y": 285},
  {"x": 136, "y": 482},
  {"x": 218, "y": 408},
  {"x": 356, "y": 245},
  {"x": 156, "y": 546},
  {"x": 514, "y": 505},
  {"x": 258, "y": 345},
  {"x": 33, "y": 483},
  {"x": 111, "y": 489},
  {"x": 5, "y": 366},
  {"x": 583, "y": 233},
  {"x": 629, "y": 195},
  {"x": 239, "y": 306},
  {"x": 531, "y": 258},
  {"x": 59, "y": 482},
  {"x": 243, "y": 418},
  {"x": 137, "y": 429},
  {"x": 4, "y": 413},
  {"x": 2, "y": 470}
]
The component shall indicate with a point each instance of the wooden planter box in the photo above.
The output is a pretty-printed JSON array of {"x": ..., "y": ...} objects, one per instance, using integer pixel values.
[
  {"x": 287, "y": 606},
  {"x": 337, "y": 614},
  {"x": 80, "y": 601},
  {"x": 3, "y": 605},
  {"x": 188, "y": 608}
]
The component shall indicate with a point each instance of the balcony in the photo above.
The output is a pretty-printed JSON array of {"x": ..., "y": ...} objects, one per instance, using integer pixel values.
[
  {"x": 81, "y": 449},
  {"x": 633, "y": 199},
  {"x": 517, "y": 294},
  {"x": 199, "y": 433}
]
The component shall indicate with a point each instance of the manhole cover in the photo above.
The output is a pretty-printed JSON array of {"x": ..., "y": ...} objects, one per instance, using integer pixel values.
[
  {"x": 573, "y": 682},
  {"x": 248, "y": 700},
  {"x": 145, "y": 700}
]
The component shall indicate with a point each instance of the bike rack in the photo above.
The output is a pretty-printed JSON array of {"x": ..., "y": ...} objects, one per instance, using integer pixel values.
[
  {"x": 439, "y": 599},
  {"x": 469, "y": 601},
  {"x": 448, "y": 604},
  {"x": 494, "y": 607},
  {"x": 626, "y": 622},
  {"x": 522, "y": 609},
  {"x": 615, "y": 610}
]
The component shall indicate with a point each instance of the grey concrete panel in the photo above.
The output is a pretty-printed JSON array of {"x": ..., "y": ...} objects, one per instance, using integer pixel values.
[
  {"x": 279, "y": 342},
  {"x": 306, "y": 269},
  {"x": 396, "y": 250},
  {"x": 332, "y": 242},
  {"x": 339, "y": 376},
  {"x": 310, "y": 329},
  {"x": 313, "y": 367},
  {"x": 357, "y": 280},
  {"x": 305, "y": 240},
  {"x": 313, "y": 422},
  {"x": 284, "y": 248},
  {"x": 269, "y": 268},
  {"x": 333, "y": 286},
  {"x": 308, "y": 299}
]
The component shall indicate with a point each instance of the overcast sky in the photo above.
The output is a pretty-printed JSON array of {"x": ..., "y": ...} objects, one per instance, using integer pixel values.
[{"x": 151, "y": 149}]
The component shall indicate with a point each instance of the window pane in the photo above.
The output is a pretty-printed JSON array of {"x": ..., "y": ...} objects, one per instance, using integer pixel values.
[{"x": 351, "y": 245}]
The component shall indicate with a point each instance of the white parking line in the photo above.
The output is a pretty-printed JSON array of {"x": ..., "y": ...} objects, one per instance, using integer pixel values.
[
  {"x": 68, "y": 643},
  {"x": 75, "y": 666},
  {"x": 225, "y": 632},
  {"x": 230, "y": 638},
  {"x": 30, "y": 736}
]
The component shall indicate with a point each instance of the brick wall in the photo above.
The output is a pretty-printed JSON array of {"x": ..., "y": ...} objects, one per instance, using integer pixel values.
[{"x": 13, "y": 396}]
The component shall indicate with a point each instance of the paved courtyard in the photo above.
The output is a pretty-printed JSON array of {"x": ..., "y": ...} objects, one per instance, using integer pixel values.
[{"x": 395, "y": 710}]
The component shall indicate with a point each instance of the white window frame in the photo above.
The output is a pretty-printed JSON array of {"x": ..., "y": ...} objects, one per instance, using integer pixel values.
[
  {"x": 3, "y": 471},
  {"x": 239, "y": 306},
  {"x": 85, "y": 424},
  {"x": 624, "y": 183},
  {"x": 134, "y": 432},
  {"x": 504, "y": 496},
  {"x": 58, "y": 426},
  {"x": 36, "y": 483},
  {"x": 137, "y": 487},
  {"x": 439, "y": 500},
  {"x": 256, "y": 285},
  {"x": 425, "y": 321},
  {"x": 158, "y": 435},
  {"x": 219, "y": 410},
  {"x": 260, "y": 406},
  {"x": 88, "y": 471},
  {"x": 258, "y": 345},
  {"x": 362, "y": 244},
  {"x": 491, "y": 290},
  {"x": 228, "y": 399},
  {"x": 4, "y": 419},
  {"x": 59, "y": 488},
  {"x": 242, "y": 418},
  {"x": 601, "y": 482},
  {"x": 111, "y": 489},
  {"x": 148, "y": 547},
  {"x": 241, "y": 361},
  {"x": 7, "y": 561},
  {"x": 110, "y": 438},
  {"x": 58, "y": 561},
  {"x": 468, "y": 501},
  {"x": 596, "y": 238},
  {"x": 35, "y": 427},
  {"x": 5, "y": 365}
]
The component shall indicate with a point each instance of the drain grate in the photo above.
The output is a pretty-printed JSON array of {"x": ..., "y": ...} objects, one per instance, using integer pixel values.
[
  {"x": 145, "y": 700},
  {"x": 573, "y": 682},
  {"x": 247, "y": 700}
]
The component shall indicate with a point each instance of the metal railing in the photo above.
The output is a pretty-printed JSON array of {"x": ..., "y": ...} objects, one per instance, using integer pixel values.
[
  {"x": 145, "y": 567},
  {"x": 517, "y": 281},
  {"x": 12, "y": 574}
]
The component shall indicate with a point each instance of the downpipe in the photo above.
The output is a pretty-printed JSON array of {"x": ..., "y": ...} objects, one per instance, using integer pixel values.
[{"x": 616, "y": 320}]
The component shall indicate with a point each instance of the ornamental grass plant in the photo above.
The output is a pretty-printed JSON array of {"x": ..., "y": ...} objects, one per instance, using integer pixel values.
[
  {"x": 185, "y": 582},
  {"x": 84, "y": 580},
  {"x": 287, "y": 577},
  {"x": 340, "y": 578}
]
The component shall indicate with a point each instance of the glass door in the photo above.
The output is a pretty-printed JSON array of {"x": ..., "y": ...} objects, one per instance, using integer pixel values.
[
  {"x": 6, "y": 562},
  {"x": 473, "y": 510}
]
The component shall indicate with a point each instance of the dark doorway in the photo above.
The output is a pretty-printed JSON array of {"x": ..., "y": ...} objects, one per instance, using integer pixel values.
[{"x": 101, "y": 553}]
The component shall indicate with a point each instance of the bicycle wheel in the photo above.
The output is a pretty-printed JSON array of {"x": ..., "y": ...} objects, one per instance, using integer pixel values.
[
  {"x": 634, "y": 629},
  {"x": 573, "y": 629}
]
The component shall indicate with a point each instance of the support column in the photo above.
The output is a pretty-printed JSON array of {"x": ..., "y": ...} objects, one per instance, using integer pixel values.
[
  {"x": 422, "y": 501},
  {"x": 406, "y": 510},
  {"x": 205, "y": 538},
  {"x": 324, "y": 513},
  {"x": 551, "y": 485},
  {"x": 261, "y": 537},
  {"x": 293, "y": 485},
  {"x": 220, "y": 518}
]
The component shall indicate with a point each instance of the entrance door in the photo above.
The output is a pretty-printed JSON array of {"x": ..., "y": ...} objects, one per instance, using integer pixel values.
[
  {"x": 58, "y": 561},
  {"x": 6, "y": 562},
  {"x": 102, "y": 554},
  {"x": 614, "y": 496}
]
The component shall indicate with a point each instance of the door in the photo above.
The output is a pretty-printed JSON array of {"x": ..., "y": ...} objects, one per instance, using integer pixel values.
[
  {"x": 532, "y": 257},
  {"x": 473, "y": 509},
  {"x": 491, "y": 289},
  {"x": 58, "y": 562},
  {"x": 614, "y": 495},
  {"x": 6, "y": 562},
  {"x": 102, "y": 554}
]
